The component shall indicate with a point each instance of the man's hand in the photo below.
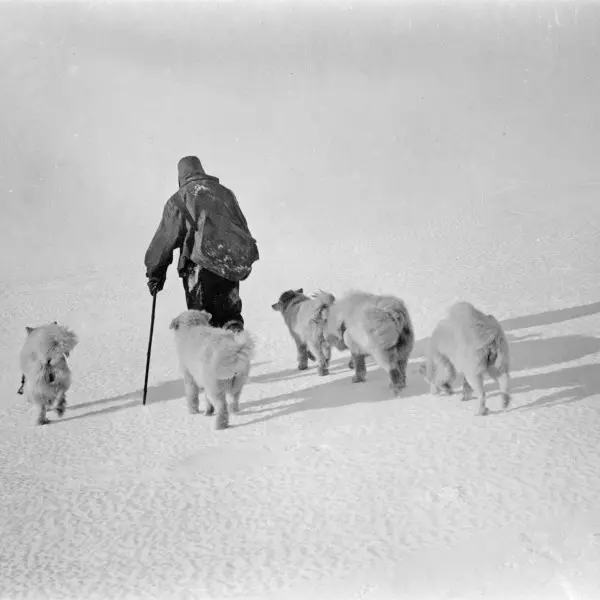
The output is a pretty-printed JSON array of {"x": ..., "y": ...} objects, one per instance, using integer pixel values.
[{"x": 155, "y": 285}]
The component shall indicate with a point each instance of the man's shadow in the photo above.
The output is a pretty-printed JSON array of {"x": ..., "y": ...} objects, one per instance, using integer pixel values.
[{"x": 527, "y": 352}]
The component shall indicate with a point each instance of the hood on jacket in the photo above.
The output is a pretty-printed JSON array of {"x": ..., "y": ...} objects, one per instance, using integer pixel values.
[{"x": 189, "y": 168}]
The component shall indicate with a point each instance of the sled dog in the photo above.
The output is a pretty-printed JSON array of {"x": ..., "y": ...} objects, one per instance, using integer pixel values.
[
  {"x": 214, "y": 360},
  {"x": 305, "y": 319},
  {"x": 377, "y": 325},
  {"x": 46, "y": 376},
  {"x": 470, "y": 343}
]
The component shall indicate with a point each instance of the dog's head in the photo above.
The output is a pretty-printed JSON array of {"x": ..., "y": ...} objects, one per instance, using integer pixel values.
[
  {"x": 56, "y": 342},
  {"x": 438, "y": 384},
  {"x": 29, "y": 330},
  {"x": 286, "y": 298},
  {"x": 190, "y": 318}
]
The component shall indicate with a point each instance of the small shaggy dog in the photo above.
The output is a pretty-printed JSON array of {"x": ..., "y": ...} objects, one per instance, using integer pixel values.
[
  {"x": 305, "y": 319},
  {"x": 377, "y": 325},
  {"x": 211, "y": 359},
  {"x": 469, "y": 343},
  {"x": 46, "y": 375}
]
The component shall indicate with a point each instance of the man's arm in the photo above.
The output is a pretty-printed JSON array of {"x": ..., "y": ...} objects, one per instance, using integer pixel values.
[{"x": 169, "y": 236}]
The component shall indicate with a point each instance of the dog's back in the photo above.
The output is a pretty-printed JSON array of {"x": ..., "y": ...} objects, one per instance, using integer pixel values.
[
  {"x": 376, "y": 322},
  {"x": 211, "y": 359},
  {"x": 209, "y": 351},
  {"x": 470, "y": 339}
]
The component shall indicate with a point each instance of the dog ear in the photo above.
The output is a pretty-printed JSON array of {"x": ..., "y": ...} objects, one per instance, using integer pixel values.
[
  {"x": 55, "y": 322},
  {"x": 28, "y": 329},
  {"x": 300, "y": 291},
  {"x": 174, "y": 324},
  {"x": 276, "y": 306}
]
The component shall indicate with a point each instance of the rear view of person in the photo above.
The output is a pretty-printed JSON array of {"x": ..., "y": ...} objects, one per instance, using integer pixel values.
[{"x": 216, "y": 250}]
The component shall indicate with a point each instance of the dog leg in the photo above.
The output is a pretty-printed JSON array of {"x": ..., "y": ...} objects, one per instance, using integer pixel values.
[
  {"x": 61, "y": 404},
  {"x": 323, "y": 366},
  {"x": 326, "y": 349},
  {"x": 351, "y": 364},
  {"x": 398, "y": 375},
  {"x": 504, "y": 384},
  {"x": 360, "y": 368},
  {"x": 220, "y": 402},
  {"x": 476, "y": 383},
  {"x": 236, "y": 391},
  {"x": 302, "y": 357},
  {"x": 209, "y": 408},
  {"x": 191, "y": 393},
  {"x": 311, "y": 356},
  {"x": 42, "y": 418},
  {"x": 467, "y": 391}
]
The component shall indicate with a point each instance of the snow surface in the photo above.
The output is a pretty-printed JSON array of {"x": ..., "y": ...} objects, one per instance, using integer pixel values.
[{"x": 435, "y": 153}]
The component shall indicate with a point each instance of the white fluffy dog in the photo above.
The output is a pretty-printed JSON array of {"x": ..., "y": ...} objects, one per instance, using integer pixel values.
[
  {"x": 377, "y": 325},
  {"x": 211, "y": 359},
  {"x": 46, "y": 374},
  {"x": 470, "y": 343}
]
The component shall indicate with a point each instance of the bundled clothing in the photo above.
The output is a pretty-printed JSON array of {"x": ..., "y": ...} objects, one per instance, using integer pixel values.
[{"x": 204, "y": 290}]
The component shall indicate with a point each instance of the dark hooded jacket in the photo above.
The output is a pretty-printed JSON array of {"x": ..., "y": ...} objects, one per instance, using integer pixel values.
[{"x": 198, "y": 191}]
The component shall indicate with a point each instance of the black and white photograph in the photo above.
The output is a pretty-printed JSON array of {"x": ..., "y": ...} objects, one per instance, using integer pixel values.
[{"x": 300, "y": 299}]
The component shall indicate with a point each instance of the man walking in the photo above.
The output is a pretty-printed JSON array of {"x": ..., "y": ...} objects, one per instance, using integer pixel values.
[{"x": 205, "y": 289}]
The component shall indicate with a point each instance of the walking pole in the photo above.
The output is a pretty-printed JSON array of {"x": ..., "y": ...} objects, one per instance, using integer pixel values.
[{"x": 149, "y": 348}]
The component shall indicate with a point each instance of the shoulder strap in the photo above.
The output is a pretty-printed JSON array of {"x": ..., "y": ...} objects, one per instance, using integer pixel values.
[{"x": 184, "y": 210}]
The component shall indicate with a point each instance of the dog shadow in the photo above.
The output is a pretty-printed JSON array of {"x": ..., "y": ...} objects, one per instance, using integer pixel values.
[
  {"x": 333, "y": 394},
  {"x": 527, "y": 352},
  {"x": 551, "y": 317},
  {"x": 535, "y": 353},
  {"x": 579, "y": 382},
  {"x": 530, "y": 352},
  {"x": 295, "y": 373},
  {"x": 163, "y": 392}
]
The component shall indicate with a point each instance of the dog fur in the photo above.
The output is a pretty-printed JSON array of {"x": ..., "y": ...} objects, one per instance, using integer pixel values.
[
  {"x": 46, "y": 375},
  {"x": 305, "y": 319},
  {"x": 470, "y": 343},
  {"x": 214, "y": 360},
  {"x": 369, "y": 324}
]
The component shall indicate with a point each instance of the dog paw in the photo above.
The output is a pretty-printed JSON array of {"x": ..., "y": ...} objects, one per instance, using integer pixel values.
[
  {"x": 234, "y": 408},
  {"x": 506, "y": 400},
  {"x": 209, "y": 411},
  {"x": 358, "y": 379},
  {"x": 42, "y": 421},
  {"x": 221, "y": 424},
  {"x": 323, "y": 371},
  {"x": 302, "y": 367},
  {"x": 60, "y": 410},
  {"x": 396, "y": 388},
  {"x": 482, "y": 412}
]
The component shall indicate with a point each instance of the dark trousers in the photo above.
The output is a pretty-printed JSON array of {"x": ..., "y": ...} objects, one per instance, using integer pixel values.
[{"x": 220, "y": 297}]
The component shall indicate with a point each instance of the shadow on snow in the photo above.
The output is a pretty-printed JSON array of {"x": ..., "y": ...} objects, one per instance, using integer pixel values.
[{"x": 527, "y": 352}]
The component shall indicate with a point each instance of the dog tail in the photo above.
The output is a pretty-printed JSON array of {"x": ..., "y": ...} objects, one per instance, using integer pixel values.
[
  {"x": 323, "y": 301},
  {"x": 497, "y": 350},
  {"x": 234, "y": 358},
  {"x": 390, "y": 324}
]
